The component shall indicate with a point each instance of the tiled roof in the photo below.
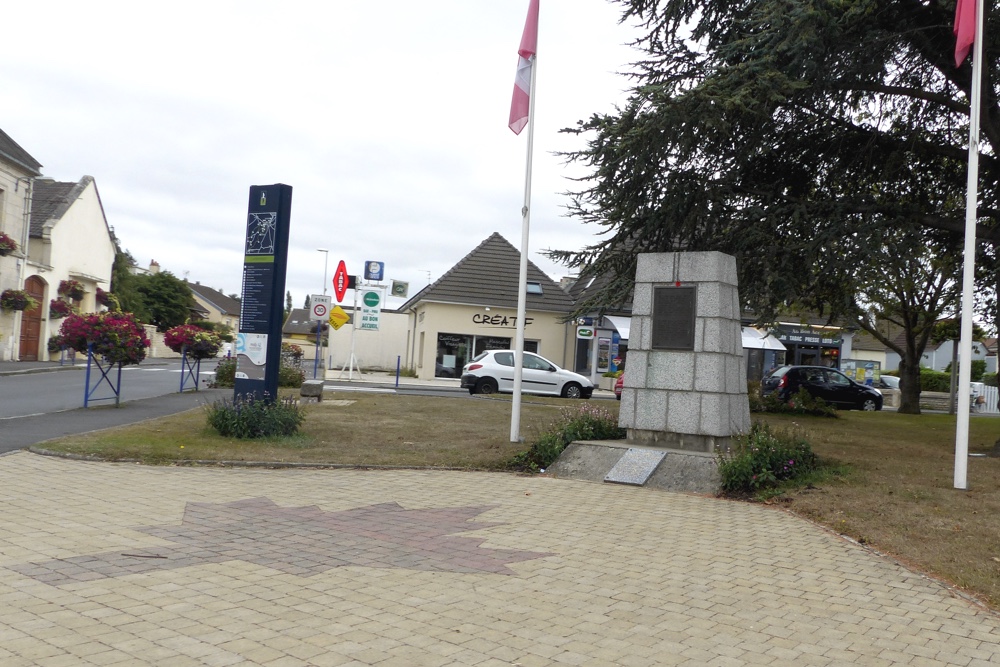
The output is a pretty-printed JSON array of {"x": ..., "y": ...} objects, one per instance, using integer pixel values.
[
  {"x": 488, "y": 276},
  {"x": 10, "y": 151},
  {"x": 51, "y": 199},
  {"x": 224, "y": 304},
  {"x": 298, "y": 322}
]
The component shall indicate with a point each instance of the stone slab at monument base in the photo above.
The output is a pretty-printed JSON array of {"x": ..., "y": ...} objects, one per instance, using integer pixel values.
[
  {"x": 633, "y": 463},
  {"x": 688, "y": 442}
]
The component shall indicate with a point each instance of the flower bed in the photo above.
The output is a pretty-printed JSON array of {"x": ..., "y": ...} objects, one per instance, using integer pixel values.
[
  {"x": 199, "y": 343},
  {"x": 117, "y": 337}
]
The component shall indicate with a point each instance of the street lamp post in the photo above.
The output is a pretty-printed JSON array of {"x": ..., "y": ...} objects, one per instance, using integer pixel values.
[
  {"x": 326, "y": 256},
  {"x": 319, "y": 323}
]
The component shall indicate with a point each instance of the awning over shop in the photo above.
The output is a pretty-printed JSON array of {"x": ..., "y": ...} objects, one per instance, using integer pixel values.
[
  {"x": 758, "y": 340},
  {"x": 622, "y": 324}
]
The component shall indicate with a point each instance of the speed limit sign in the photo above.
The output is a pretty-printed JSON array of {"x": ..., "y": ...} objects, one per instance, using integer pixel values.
[{"x": 320, "y": 306}]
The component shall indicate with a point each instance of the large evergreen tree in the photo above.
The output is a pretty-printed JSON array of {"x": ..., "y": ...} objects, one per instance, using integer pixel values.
[{"x": 809, "y": 138}]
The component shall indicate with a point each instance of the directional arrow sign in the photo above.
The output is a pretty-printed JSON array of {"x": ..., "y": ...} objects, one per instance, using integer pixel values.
[{"x": 340, "y": 281}]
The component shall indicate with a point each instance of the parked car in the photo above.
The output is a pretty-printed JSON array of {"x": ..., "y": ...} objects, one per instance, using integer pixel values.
[
  {"x": 493, "y": 371},
  {"x": 619, "y": 385},
  {"x": 887, "y": 382},
  {"x": 827, "y": 383}
]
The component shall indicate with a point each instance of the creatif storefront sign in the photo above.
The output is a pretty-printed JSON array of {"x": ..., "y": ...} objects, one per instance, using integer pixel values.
[{"x": 499, "y": 320}]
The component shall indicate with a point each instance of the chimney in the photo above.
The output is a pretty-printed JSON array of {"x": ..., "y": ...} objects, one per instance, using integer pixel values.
[{"x": 154, "y": 267}]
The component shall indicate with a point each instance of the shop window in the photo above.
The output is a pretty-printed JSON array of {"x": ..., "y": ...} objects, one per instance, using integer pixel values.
[
  {"x": 484, "y": 343},
  {"x": 452, "y": 354},
  {"x": 531, "y": 346}
]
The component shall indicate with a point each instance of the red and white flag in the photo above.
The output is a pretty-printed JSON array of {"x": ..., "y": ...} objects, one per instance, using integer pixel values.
[
  {"x": 965, "y": 29},
  {"x": 520, "y": 105}
]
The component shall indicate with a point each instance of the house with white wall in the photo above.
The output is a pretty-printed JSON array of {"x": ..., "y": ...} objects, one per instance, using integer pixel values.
[
  {"x": 70, "y": 240},
  {"x": 18, "y": 171}
]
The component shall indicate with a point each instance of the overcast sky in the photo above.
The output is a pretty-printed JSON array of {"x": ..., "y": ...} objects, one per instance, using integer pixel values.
[{"x": 389, "y": 120}]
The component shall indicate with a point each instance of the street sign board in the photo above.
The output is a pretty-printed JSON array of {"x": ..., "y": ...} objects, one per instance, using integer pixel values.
[
  {"x": 320, "y": 307},
  {"x": 258, "y": 341},
  {"x": 338, "y": 317},
  {"x": 371, "y": 309},
  {"x": 374, "y": 270},
  {"x": 340, "y": 281}
]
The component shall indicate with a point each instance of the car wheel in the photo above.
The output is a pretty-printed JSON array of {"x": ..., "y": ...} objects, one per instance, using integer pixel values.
[
  {"x": 572, "y": 390},
  {"x": 486, "y": 386},
  {"x": 869, "y": 405}
]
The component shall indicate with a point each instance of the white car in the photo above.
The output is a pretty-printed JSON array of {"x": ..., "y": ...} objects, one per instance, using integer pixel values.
[{"x": 493, "y": 371}]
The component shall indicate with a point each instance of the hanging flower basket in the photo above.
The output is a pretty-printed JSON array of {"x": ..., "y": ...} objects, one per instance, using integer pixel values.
[
  {"x": 117, "y": 337},
  {"x": 71, "y": 289},
  {"x": 16, "y": 299},
  {"x": 197, "y": 342},
  {"x": 7, "y": 245},
  {"x": 59, "y": 309}
]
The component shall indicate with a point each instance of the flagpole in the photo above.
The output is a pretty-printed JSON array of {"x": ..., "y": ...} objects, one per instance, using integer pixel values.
[
  {"x": 968, "y": 273},
  {"x": 522, "y": 281}
]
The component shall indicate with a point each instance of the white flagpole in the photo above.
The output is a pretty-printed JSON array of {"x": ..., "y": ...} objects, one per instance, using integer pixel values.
[
  {"x": 522, "y": 285},
  {"x": 968, "y": 274}
]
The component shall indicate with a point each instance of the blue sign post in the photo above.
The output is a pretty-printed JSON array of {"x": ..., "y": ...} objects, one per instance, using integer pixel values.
[{"x": 265, "y": 259}]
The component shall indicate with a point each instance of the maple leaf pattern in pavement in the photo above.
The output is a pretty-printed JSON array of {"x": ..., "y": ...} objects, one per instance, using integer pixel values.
[{"x": 302, "y": 541}]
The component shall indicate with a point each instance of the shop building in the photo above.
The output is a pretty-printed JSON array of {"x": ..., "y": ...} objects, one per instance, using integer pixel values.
[{"x": 473, "y": 308}]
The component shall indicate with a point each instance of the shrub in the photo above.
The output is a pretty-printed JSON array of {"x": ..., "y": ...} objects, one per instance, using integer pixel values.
[
  {"x": 762, "y": 459},
  {"x": 225, "y": 374},
  {"x": 801, "y": 404},
  {"x": 978, "y": 369},
  {"x": 990, "y": 379},
  {"x": 584, "y": 423},
  {"x": 290, "y": 376},
  {"x": 117, "y": 337},
  {"x": 250, "y": 418},
  {"x": 931, "y": 380}
]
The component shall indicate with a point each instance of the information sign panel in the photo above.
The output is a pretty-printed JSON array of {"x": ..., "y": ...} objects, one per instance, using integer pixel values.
[
  {"x": 370, "y": 310},
  {"x": 258, "y": 343}
]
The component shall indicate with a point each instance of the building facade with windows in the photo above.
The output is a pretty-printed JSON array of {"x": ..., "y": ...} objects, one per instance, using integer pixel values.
[{"x": 473, "y": 308}]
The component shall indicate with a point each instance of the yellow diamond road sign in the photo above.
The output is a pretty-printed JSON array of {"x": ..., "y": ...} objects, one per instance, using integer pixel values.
[{"x": 338, "y": 317}]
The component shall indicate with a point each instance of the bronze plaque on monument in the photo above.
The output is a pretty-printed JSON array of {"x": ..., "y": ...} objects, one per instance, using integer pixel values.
[{"x": 673, "y": 317}]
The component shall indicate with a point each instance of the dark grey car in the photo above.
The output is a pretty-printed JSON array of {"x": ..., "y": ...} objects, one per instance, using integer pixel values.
[{"x": 821, "y": 382}]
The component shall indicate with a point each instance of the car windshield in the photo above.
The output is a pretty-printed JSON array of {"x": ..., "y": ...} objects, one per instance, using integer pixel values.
[
  {"x": 479, "y": 357},
  {"x": 779, "y": 372}
]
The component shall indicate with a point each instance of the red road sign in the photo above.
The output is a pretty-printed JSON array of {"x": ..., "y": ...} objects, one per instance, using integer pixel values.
[{"x": 340, "y": 281}]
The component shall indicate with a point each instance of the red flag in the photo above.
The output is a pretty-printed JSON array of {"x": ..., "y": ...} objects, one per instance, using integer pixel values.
[
  {"x": 521, "y": 103},
  {"x": 965, "y": 29}
]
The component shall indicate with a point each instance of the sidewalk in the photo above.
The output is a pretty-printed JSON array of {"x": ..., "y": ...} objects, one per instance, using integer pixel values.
[{"x": 122, "y": 565}]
